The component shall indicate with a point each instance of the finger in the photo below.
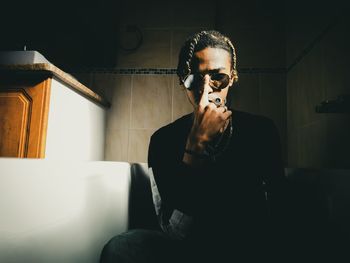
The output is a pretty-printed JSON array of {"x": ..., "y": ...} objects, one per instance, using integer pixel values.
[
  {"x": 204, "y": 101},
  {"x": 223, "y": 128},
  {"x": 227, "y": 114},
  {"x": 222, "y": 109},
  {"x": 211, "y": 107}
]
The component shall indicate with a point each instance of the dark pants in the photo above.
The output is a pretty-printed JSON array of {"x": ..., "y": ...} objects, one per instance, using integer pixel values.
[
  {"x": 140, "y": 245},
  {"x": 151, "y": 246}
]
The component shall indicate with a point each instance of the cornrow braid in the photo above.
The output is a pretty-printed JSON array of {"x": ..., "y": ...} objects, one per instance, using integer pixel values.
[
  {"x": 200, "y": 41},
  {"x": 192, "y": 45},
  {"x": 233, "y": 58}
]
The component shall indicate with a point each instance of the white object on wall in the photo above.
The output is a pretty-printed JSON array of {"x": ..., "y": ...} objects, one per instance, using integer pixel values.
[{"x": 76, "y": 126}]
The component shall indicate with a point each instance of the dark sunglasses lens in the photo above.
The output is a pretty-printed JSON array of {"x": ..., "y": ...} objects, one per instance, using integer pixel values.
[
  {"x": 220, "y": 80},
  {"x": 217, "y": 81}
]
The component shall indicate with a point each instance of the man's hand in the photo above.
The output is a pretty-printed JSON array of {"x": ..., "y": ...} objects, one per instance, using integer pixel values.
[{"x": 209, "y": 121}]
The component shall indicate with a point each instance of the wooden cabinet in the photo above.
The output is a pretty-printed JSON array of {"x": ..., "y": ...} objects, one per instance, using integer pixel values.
[
  {"x": 24, "y": 109},
  {"x": 46, "y": 113}
]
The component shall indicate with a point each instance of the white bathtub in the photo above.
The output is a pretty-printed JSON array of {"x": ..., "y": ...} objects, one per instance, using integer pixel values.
[{"x": 60, "y": 211}]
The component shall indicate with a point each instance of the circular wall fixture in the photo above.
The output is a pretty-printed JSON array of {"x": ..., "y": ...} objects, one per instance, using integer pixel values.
[{"x": 131, "y": 38}]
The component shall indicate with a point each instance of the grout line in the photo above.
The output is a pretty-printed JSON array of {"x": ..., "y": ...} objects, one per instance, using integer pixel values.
[
  {"x": 172, "y": 99},
  {"x": 131, "y": 99},
  {"x": 171, "y": 47},
  {"x": 172, "y": 78},
  {"x": 259, "y": 94},
  {"x": 130, "y": 114}
]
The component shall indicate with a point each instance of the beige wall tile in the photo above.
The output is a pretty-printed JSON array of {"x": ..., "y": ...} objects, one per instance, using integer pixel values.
[
  {"x": 178, "y": 38},
  {"x": 118, "y": 116},
  {"x": 146, "y": 14},
  {"x": 268, "y": 53},
  {"x": 292, "y": 100},
  {"x": 259, "y": 38},
  {"x": 151, "y": 101},
  {"x": 245, "y": 95},
  {"x": 249, "y": 14},
  {"x": 166, "y": 14},
  {"x": 336, "y": 55},
  {"x": 272, "y": 101},
  {"x": 105, "y": 84},
  {"x": 272, "y": 92},
  {"x": 302, "y": 31},
  {"x": 293, "y": 150},
  {"x": 85, "y": 78},
  {"x": 154, "y": 51},
  {"x": 181, "y": 104},
  {"x": 116, "y": 148},
  {"x": 312, "y": 88},
  {"x": 312, "y": 149},
  {"x": 196, "y": 13},
  {"x": 307, "y": 92},
  {"x": 138, "y": 145}
]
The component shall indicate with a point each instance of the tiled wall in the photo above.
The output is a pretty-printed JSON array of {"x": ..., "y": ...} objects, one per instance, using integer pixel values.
[
  {"x": 142, "y": 103},
  {"x": 317, "y": 50}
]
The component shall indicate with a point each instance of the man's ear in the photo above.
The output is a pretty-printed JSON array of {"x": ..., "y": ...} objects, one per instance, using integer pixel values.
[{"x": 232, "y": 78}]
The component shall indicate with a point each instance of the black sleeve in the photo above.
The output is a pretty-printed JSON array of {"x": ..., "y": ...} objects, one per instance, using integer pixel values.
[{"x": 179, "y": 184}]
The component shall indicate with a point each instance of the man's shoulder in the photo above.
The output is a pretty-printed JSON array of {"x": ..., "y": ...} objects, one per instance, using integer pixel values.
[
  {"x": 174, "y": 129},
  {"x": 255, "y": 129},
  {"x": 250, "y": 120}
]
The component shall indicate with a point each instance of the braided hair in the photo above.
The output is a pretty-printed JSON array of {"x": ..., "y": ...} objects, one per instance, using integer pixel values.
[{"x": 198, "y": 42}]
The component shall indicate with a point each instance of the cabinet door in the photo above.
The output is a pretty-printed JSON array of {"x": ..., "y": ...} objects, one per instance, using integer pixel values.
[{"x": 23, "y": 118}]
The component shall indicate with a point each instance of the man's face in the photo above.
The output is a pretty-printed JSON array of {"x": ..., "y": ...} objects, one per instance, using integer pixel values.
[{"x": 206, "y": 62}]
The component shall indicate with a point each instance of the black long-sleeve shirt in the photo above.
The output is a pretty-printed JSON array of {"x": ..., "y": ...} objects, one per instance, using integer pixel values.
[{"x": 229, "y": 195}]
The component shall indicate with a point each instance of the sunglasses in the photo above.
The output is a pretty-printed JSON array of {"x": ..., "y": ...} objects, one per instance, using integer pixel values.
[{"x": 217, "y": 81}]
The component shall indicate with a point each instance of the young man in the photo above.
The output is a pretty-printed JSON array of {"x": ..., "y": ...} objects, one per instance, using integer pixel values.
[{"x": 216, "y": 174}]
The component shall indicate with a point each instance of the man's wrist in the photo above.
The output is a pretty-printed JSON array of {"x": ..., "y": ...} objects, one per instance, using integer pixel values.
[
  {"x": 194, "y": 153},
  {"x": 196, "y": 143}
]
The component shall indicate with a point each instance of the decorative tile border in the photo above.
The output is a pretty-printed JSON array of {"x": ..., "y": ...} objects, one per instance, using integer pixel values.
[
  {"x": 147, "y": 71},
  {"x": 167, "y": 71},
  {"x": 262, "y": 70},
  {"x": 127, "y": 71}
]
